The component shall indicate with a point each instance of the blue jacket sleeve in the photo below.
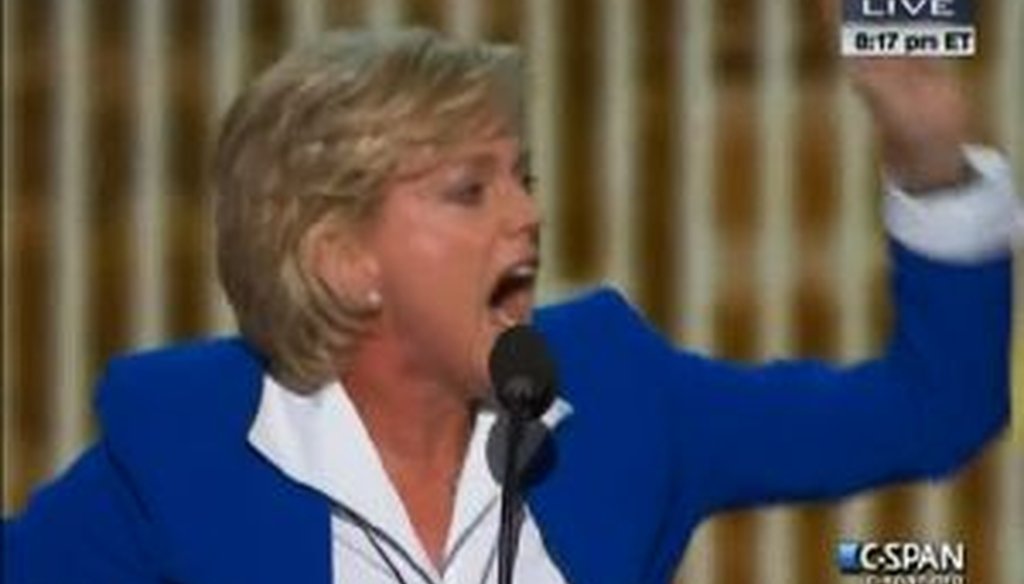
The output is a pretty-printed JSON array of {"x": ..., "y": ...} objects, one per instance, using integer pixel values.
[
  {"x": 801, "y": 430},
  {"x": 87, "y": 527}
]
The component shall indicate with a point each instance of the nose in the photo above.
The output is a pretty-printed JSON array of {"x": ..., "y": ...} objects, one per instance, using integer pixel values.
[{"x": 524, "y": 213}]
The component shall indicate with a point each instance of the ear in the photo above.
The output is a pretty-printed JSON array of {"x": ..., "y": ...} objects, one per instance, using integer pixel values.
[{"x": 335, "y": 255}]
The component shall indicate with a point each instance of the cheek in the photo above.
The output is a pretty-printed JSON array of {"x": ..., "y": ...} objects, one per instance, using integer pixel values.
[
  {"x": 437, "y": 273},
  {"x": 438, "y": 302},
  {"x": 425, "y": 234},
  {"x": 444, "y": 251}
]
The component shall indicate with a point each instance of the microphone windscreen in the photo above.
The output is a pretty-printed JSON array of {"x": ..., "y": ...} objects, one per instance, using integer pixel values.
[{"x": 523, "y": 371}]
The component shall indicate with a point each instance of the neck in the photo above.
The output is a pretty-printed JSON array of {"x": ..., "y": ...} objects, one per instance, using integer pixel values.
[
  {"x": 415, "y": 422},
  {"x": 420, "y": 427}
]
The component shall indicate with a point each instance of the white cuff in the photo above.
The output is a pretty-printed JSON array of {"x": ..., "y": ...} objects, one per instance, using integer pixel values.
[{"x": 970, "y": 223}]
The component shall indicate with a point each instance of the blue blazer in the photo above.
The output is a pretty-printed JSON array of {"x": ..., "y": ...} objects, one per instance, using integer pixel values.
[{"x": 173, "y": 492}]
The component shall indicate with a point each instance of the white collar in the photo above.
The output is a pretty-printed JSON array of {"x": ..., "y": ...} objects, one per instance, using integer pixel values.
[{"x": 319, "y": 440}]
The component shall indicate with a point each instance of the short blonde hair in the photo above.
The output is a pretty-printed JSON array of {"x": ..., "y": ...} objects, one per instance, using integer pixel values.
[{"x": 315, "y": 139}]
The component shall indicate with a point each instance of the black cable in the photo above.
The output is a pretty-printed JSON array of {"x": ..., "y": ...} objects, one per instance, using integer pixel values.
[
  {"x": 510, "y": 504},
  {"x": 384, "y": 556},
  {"x": 372, "y": 534}
]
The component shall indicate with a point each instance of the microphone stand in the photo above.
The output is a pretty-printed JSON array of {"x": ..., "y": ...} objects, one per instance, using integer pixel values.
[
  {"x": 508, "y": 532},
  {"x": 524, "y": 379}
]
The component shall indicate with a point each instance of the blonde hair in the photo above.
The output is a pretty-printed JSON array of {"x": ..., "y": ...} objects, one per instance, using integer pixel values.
[{"x": 315, "y": 139}]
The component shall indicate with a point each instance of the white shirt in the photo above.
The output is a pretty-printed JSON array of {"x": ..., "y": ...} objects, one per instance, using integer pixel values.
[
  {"x": 320, "y": 441},
  {"x": 964, "y": 224}
]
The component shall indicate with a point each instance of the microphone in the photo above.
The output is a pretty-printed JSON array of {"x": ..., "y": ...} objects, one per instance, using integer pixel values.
[
  {"x": 523, "y": 376},
  {"x": 523, "y": 372}
]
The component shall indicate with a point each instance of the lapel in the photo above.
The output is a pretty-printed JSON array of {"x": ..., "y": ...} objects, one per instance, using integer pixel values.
[
  {"x": 239, "y": 518},
  {"x": 552, "y": 504},
  {"x": 262, "y": 527},
  {"x": 284, "y": 532}
]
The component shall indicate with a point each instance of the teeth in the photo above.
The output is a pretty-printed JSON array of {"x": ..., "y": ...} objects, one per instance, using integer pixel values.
[
  {"x": 516, "y": 279},
  {"x": 505, "y": 320},
  {"x": 523, "y": 271}
]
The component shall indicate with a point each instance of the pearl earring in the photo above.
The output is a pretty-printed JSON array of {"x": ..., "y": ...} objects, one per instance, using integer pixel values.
[{"x": 374, "y": 299}]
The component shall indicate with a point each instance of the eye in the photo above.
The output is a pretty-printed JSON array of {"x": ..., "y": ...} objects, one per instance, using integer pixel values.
[
  {"x": 469, "y": 194},
  {"x": 524, "y": 170},
  {"x": 529, "y": 182}
]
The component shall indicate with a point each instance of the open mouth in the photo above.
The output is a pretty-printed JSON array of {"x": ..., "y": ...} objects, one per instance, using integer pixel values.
[{"x": 511, "y": 299}]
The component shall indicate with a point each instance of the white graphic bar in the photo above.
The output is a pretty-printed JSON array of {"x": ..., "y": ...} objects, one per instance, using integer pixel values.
[{"x": 902, "y": 40}]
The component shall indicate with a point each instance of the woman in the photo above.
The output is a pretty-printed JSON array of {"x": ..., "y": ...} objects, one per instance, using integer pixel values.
[{"x": 375, "y": 235}]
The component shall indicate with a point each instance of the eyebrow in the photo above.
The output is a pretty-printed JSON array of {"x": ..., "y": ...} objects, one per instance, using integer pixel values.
[
  {"x": 480, "y": 161},
  {"x": 486, "y": 162}
]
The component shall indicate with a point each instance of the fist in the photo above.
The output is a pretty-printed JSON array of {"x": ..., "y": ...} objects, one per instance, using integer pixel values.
[
  {"x": 921, "y": 116},
  {"x": 920, "y": 112}
]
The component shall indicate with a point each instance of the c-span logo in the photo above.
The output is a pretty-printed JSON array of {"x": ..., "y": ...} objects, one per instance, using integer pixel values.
[
  {"x": 903, "y": 562},
  {"x": 908, "y": 28}
]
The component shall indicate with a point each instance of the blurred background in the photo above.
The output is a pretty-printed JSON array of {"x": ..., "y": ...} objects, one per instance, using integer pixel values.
[{"x": 705, "y": 156}]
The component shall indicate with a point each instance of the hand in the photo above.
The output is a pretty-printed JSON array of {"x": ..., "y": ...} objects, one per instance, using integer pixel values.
[
  {"x": 920, "y": 112},
  {"x": 922, "y": 118}
]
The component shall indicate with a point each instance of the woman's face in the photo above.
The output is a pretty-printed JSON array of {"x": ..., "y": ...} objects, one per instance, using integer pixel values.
[{"x": 455, "y": 247}]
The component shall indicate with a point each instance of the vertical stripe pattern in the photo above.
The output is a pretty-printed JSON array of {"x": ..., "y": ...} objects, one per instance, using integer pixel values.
[
  {"x": 617, "y": 148},
  {"x": 10, "y": 453},
  {"x": 695, "y": 140},
  {"x": 465, "y": 18},
  {"x": 70, "y": 298},
  {"x": 227, "y": 63},
  {"x": 695, "y": 217},
  {"x": 775, "y": 552},
  {"x": 547, "y": 98},
  {"x": 382, "y": 14},
  {"x": 151, "y": 189},
  {"x": 1008, "y": 79},
  {"x": 306, "y": 18},
  {"x": 853, "y": 256},
  {"x": 740, "y": 280}
]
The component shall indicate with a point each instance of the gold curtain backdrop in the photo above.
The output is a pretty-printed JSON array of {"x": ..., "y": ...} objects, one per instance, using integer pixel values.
[{"x": 706, "y": 156}]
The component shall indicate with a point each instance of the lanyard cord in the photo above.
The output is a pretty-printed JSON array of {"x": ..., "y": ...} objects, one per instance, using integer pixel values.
[
  {"x": 383, "y": 555},
  {"x": 373, "y": 535}
]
